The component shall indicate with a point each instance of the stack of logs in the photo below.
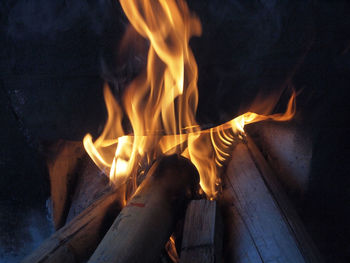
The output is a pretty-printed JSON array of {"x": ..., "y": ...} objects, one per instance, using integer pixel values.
[{"x": 251, "y": 221}]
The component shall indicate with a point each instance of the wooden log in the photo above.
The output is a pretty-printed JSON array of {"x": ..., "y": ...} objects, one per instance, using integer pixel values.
[
  {"x": 288, "y": 150},
  {"x": 239, "y": 246},
  {"x": 199, "y": 242},
  {"x": 306, "y": 244},
  {"x": 144, "y": 226},
  {"x": 63, "y": 157},
  {"x": 265, "y": 231},
  {"x": 76, "y": 241},
  {"x": 90, "y": 185}
]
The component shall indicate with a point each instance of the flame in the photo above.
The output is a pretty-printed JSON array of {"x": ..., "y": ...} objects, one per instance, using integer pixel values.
[
  {"x": 171, "y": 249},
  {"x": 161, "y": 103}
]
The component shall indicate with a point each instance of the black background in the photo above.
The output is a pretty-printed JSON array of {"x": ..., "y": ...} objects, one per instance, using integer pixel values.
[{"x": 55, "y": 56}]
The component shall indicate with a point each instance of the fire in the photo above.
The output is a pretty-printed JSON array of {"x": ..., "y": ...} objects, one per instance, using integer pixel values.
[{"x": 161, "y": 103}]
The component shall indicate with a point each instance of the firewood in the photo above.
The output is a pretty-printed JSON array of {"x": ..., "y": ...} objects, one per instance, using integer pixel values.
[
  {"x": 63, "y": 157},
  {"x": 90, "y": 185},
  {"x": 239, "y": 245},
  {"x": 263, "y": 230},
  {"x": 288, "y": 150},
  {"x": 77, "y": 240},
  {"x": 201, "y": 227},
  {"x": 144, "y": 226},
  {"x": 306, "y": 244}
]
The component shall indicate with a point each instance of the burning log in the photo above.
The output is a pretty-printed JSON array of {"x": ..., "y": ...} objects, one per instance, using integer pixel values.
[
  {"x": 267, "y": 228},
  {"x": 200, "y": 235},
  {"x": 144, "y": 226},
  {"x": 77, "y": 240}
]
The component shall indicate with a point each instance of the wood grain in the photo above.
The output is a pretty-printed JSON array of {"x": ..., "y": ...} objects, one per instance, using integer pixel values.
[
  {"x": 265, "y": 233},
  {"x": 306, "y": 245},
  {"x": 198, "y": 243}
]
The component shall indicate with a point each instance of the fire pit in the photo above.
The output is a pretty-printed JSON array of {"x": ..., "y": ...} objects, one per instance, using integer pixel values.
[
  {"x": 160, "y": 106},
  {"x": 157, "y": 186}
]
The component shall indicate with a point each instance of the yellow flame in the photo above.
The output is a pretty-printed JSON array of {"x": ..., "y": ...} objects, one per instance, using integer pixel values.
[
  {"x": 102, "y": 150},
  {"x": 171, "y": 249},
  {"x": 161, "y": 103}
]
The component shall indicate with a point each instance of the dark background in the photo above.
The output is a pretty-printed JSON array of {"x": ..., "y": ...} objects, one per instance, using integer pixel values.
[{"x": 55, "y": 56}]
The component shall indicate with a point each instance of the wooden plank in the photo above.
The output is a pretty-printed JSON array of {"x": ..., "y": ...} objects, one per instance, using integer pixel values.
[
  {"x": 77, "y": 240},
  {"x": 306, "y": 245},
  {"x": 142, "y": 229},
  {"x": 264, "y": 220},
  {"x": 198, "y": 242}
]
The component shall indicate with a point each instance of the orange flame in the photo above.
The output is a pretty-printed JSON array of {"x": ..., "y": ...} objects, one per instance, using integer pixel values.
[{"x": 161, "y": 103}]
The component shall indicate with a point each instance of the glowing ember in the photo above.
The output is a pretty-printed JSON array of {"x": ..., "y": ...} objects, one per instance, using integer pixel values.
[{"x": 161, "y": 103}]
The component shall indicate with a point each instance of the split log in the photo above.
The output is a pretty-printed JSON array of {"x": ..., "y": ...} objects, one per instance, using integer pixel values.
[
  {"x": 201, "y": 231},
  {"x": 63, "y": 157},
  {"x": 263, "y": 230},
  {"x": 306, "y": 244},
  {"x": 239, "y": 245},
  {"x": 144, "y": 226},
  {"x": 77, "y": 240},
  {"x": 90, "y": 185},
  {"x": 76, "y": 182},
  {"x": 288, "y": 150}
]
